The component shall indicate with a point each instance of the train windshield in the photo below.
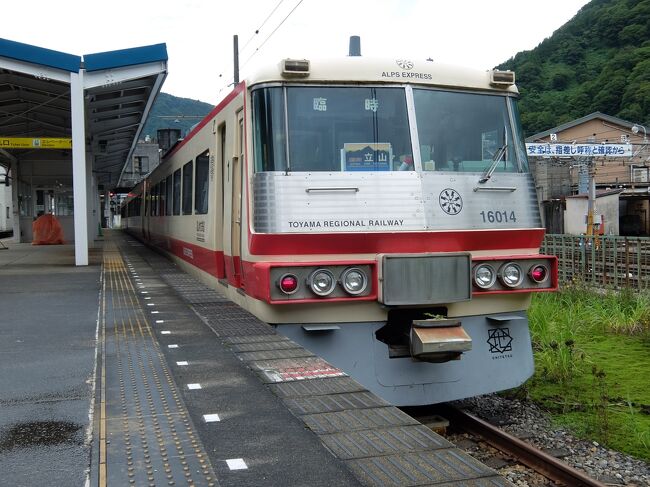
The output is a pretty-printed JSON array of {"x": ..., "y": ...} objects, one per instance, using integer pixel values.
[
  {"x": 324, "y": 128},
  {"x": 331, "y": 129},
  {"x": 468, "y": 132}
]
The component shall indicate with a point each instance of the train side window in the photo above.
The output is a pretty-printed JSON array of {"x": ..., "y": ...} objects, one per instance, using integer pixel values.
[
  {"x": 170, "y": 192},
  {"x": 163, "y": 197},
  {"x": 154, "y": 200},
  {"x": 202, "y": 183},
  {"x": 177, "y": 192},
  {"x": 187, "y": 188}
]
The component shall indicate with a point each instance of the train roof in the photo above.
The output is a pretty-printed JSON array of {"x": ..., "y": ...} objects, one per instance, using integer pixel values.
[{"x": 360, "y": 69}]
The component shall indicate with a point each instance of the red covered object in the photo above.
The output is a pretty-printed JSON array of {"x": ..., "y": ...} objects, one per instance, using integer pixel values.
[{"x": 47, "y": 231}]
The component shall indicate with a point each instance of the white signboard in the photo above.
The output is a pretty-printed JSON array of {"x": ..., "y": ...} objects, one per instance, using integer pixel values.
[{"x": 579, "y": 150}]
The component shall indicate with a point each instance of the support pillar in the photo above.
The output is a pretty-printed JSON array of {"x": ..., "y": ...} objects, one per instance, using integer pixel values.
[
  {"x": 79, "y": 168},
  {"x": 15, "y": 207},
  {"x": 91, "y": 193}
]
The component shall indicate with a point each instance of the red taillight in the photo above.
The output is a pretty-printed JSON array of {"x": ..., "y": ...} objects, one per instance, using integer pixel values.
[
  {"x": 288, "y": 284},
  {"x": 538, "y": 273}
]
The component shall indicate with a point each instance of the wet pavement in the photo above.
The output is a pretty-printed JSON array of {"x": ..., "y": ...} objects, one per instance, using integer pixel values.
[{"x": 48, "y": 321}]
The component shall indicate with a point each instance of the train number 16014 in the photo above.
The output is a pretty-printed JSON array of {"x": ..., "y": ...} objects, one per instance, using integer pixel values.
[{"x": 498, "y": 216}]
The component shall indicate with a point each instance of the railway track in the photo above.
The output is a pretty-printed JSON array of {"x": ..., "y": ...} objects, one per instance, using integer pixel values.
[{"x": 525, "y": 453}]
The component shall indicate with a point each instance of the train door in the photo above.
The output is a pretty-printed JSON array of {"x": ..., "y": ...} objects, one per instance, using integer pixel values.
[{"x": 237, "y": 165}]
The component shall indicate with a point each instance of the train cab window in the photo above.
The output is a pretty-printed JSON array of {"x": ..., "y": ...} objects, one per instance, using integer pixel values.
[
  {"x": 269, "y": 134},
  {"x": 202, "y": 183},
  {"x": 177, "y": 192},
  {"x": 467, "y": 132},
  {"x": 187, "y": 188},
  {"x": 348, "y": 129},
  {"x": 331, "y": 129},
  {"x": 169, "y": 208}
]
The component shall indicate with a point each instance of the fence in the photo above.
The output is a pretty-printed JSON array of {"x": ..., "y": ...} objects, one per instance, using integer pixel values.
[{"x": 603, "y": 261}]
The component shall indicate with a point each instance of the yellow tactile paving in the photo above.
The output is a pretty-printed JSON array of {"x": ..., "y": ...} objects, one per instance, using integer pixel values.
[{"x": 145, "y": 434}]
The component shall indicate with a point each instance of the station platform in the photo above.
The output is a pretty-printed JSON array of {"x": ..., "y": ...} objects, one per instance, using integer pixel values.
[{"x": 131, "y": 372}]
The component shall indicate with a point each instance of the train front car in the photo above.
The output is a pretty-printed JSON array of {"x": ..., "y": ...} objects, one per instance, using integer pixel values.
[
  {"x": 395, "y": 229},
  {"x": 396, "y": 226}
]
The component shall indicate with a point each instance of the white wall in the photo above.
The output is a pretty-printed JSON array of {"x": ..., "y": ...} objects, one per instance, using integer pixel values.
[{"x": 575, "y": 215}]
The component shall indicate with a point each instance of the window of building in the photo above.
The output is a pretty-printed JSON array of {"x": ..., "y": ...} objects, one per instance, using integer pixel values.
[
  {"x": 140, "y": 164},
  {"x": 187, "y": 188},
  {"x": 202, "y": 182}
]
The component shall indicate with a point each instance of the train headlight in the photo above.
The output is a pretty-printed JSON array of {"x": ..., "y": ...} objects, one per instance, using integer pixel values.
[
  {"x": 288, "y": 284},
  {"x": 484, "y": 276},
  {"x": 354, "y": 281},
  {"x": 511, "y": 275},
  {"x": 538, "y": 273},
  {"x": 321, "y": 282}
]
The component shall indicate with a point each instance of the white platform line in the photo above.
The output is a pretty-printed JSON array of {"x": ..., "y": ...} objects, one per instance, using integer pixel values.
[
  {"x": 211, "y": 418},
  {"x": 165, "y": 332},
  {"x": 173, "y": 345},
  {"x": 181, "y": 362},
  {"x": 160, "y": 321},
  {"x": 192, "y": 387},
  {"x": 236, "y": 464}
]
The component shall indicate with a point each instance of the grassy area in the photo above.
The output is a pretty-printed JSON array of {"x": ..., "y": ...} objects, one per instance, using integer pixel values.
[{"x": 592, "y": 353}]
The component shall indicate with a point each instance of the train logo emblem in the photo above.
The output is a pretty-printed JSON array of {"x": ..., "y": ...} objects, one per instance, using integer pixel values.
[
  {"x": 450, "y": 201},
  {"x": 499, "y": 340},
  {"x": 404, "y": 64}
]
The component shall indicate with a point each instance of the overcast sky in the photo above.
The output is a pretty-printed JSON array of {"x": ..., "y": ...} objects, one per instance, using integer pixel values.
[{"x": 198, "y": 33}]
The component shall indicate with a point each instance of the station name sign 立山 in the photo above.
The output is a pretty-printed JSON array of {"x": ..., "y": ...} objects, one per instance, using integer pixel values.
[
  {"x": 35, "y": 143},
  {"x": 580, "y": 150}
]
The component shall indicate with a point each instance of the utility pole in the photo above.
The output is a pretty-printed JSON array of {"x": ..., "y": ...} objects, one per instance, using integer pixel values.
[
  {"x": 591, "y": 197},
  {"x": 235, "y": 46}
]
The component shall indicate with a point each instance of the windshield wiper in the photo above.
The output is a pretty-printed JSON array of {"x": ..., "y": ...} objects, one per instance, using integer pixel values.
[{"x": 495, "y": 160}]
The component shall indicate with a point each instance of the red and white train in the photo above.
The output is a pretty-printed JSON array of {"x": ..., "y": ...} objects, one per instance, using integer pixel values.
[{"x": 379, "y": 212}]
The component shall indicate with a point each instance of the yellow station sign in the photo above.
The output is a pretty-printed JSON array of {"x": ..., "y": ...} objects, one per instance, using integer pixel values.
[{"x": 34, "y": 143}]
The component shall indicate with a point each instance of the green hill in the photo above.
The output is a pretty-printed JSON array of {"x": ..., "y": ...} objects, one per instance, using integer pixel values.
[
  {"x": 170, "y": 111},
  {"x": 598, "y": 61}
]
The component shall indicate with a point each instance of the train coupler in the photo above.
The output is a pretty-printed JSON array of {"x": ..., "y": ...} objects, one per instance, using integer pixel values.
[{"x": 438, "y": 340}]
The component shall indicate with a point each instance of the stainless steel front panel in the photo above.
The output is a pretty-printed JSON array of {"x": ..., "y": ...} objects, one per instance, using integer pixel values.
[
  {"x": 425, "y": 279},
  {"x": 325, "y": 202}
]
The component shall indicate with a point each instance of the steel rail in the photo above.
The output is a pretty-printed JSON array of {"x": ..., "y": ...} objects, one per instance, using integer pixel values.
[{"x": 534, "y": 458}]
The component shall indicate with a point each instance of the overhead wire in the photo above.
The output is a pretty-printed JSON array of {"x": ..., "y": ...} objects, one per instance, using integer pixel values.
[
  {"x": 231, "y": 79},
  {"x": 257, "y": 31},
  {"x": 271, "y": 34}
]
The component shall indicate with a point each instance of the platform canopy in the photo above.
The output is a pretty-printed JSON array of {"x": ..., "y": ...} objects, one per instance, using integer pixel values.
[
  {"x": 119, "y": 89},
  {"x": 57, "y": 108}
]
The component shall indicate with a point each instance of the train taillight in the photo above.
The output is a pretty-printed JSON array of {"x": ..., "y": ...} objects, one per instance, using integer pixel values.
[
  {"x": 288, "y": 284},
  {"x": 538, "y": 273}
]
